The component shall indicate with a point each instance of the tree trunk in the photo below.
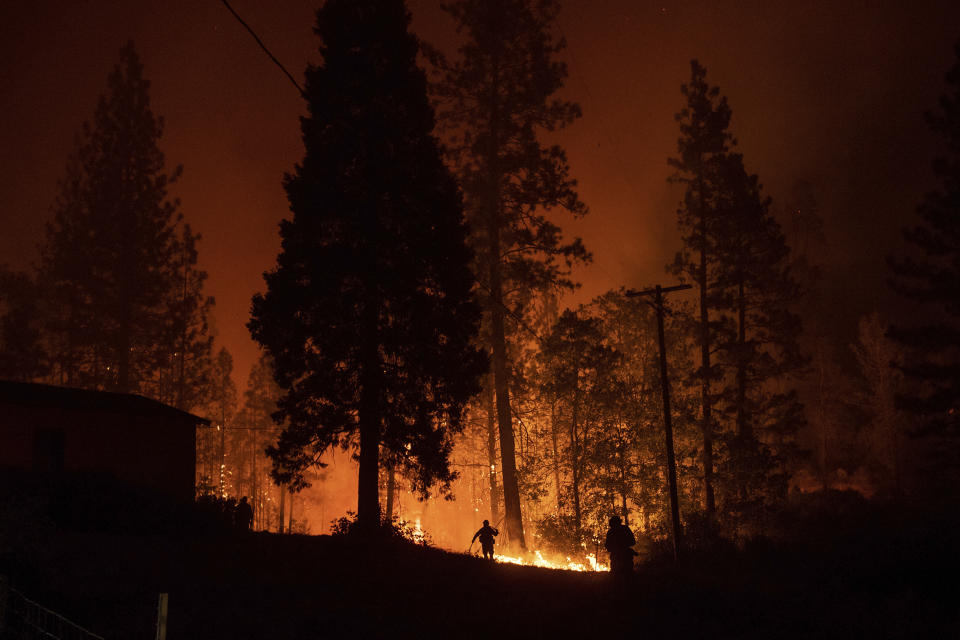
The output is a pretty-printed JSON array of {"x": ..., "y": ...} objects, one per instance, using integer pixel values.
[
  {"x": 744, "y": 434},
  {"x": 496, "y": 308},
  {"x": 575, "y": 465},
  {"x": 283, "y": 499},
  {"x": 623, "y": 506},
  {"x": 743, "y": 425},
  {"x": 290, "y": 516},
  {"x": 492, "y": 451},
  {"x": 181, "y": 374},
  {"x": 391, "y": 488},
  {"x": 556, "y": 452},
  {"x": 255, "y": 490},
  {"x": 123, "y": 364},
  {"x": 622, "y": 468},
  {"x": 368, "y": 491},
  {"x": 508, "y": 463},
  {"x": 124, "y": 337},
  {"x": 706, "y": 424}
]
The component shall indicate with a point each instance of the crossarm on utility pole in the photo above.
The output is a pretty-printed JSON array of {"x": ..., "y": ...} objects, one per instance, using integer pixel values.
[{"x": 631, "y": 293}]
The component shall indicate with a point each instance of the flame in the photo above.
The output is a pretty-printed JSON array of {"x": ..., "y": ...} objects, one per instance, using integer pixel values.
[
  {"x": 568, "y": 564},
  {"x": 419, "y": 535}
]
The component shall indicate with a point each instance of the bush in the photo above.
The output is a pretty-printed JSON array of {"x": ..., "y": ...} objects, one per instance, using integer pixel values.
[
  {"x": 394, "y": 528},
  {"x": 556, "y": 534}
]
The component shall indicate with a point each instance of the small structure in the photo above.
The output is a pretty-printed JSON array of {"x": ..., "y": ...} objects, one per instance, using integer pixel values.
[{"x": 60, "y": 432}]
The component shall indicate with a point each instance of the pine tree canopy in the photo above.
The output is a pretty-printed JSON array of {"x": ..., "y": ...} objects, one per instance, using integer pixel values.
[
  {"x": 369, "y": 315},
  {"x": 735, "y": 253},
  {"x": 931, "y": 276},
  {"x": 496, "y": 102},
  {"x": 127, "y": 311}
]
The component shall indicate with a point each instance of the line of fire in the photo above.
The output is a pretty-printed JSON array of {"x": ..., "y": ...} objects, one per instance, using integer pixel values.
[{"x": 447, "y": 426}]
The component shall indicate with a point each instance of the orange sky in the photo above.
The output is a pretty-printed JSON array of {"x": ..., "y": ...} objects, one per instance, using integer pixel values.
[{"x": 823, "y": 91}]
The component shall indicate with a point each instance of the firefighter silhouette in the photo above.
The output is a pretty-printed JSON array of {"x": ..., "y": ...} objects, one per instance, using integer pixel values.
[
  {"x": 486, "y": 533},
  {"x": 244, "y": 515},
  {"x": 619, "y": 543}
]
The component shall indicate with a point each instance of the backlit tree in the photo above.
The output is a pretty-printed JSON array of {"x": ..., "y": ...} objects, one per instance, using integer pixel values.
[
  {"x": 498, "y": 100},
  {"x": 120, "y": 314},
  {"x": 369, "y": 315}
]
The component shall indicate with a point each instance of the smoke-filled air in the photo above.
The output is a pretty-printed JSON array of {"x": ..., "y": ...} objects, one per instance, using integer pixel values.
[{"x": 482, "y": 318}]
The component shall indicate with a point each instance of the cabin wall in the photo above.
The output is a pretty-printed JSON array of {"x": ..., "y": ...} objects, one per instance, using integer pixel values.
[{"x": 148, "y": 451}]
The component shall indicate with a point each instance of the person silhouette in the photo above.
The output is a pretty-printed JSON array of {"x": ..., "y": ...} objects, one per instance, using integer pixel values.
[
  {"x": 619, "y": 543},
  {"x": 486, "y": 534},
  {"x": 244, "y": 515}
]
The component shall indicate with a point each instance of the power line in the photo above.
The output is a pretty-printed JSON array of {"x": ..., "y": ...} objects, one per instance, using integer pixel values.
[
  {"x": 264, "y": 47},
  {"x": 518, "y": 319},
  {"x": 509, "y": 311}
]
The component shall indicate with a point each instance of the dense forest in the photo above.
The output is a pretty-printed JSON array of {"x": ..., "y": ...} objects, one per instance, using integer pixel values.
[{"x": 419, "y": 315}]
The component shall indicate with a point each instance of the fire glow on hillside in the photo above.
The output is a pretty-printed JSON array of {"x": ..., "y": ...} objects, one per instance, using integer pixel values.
[
  {"x": 536, "y": 559},
  {"x": 532, "y": 559}
]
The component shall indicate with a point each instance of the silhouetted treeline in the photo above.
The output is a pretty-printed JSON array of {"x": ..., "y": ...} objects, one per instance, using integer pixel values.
[
  {"x": 929, "y": 277},
  {"x": 398, "y": 272},
  {"x": 769, "y": 405},
  {"x": 117, "y": 300}
]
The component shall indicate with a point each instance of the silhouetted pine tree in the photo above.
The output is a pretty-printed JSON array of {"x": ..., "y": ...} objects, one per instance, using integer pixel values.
[
  {"x": 115, "y": 256},
  {"x": 760, "y": 353},
  {"x": 22, "y": 354},
  {"x": 933, "y": 279},
  {"x": 703, "y": 143},
  {"x": 184, "y": 365},
  {"x": 369, "y": 315},
  {"x": 498, "y": 98}
]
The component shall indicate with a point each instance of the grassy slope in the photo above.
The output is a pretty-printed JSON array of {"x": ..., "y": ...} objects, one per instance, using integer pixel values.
[{"x": 269, "y": 586}]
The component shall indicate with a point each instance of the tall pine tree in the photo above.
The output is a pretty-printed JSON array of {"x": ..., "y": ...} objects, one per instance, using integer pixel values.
[
  {"x": 931, "y": 277},
  {"x": 760, "y": 352},
  {"x": 369, "y": 315},
  {"x": 737, "y": 256},
  {"x": 115, "y": 254},
  {"x": 704, "y": 141},
  {"x": 498, "y": 99}
]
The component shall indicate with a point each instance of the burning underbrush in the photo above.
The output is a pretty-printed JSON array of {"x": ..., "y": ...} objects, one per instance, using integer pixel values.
[
  {"x": 537, "y": 559},
  {"x": 414, "y": 532}
]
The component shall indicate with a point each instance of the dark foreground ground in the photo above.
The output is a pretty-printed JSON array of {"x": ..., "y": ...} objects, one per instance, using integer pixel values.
[{"x": 873, "y": 583}]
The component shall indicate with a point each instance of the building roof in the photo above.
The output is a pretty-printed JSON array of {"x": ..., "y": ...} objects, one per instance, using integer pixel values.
[{"x": 29, "y": 394}]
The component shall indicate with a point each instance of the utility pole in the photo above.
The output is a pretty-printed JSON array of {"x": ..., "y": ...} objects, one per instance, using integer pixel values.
[{"x": 658, "y": 305}]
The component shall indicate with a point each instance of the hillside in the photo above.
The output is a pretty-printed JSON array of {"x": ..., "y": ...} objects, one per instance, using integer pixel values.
[{"x": 892, "y": 585}]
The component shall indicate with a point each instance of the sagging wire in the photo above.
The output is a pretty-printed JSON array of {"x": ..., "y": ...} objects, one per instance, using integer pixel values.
[{"x": 264, "y": 47}]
